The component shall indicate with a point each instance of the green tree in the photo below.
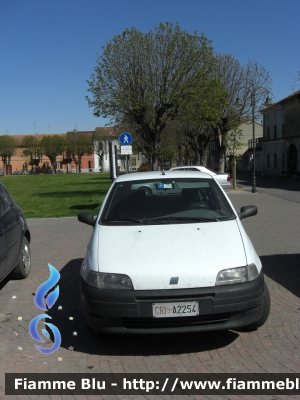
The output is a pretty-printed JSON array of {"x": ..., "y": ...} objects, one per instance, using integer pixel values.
[
  {"x": 32, "y": 149},
  {"x": 78, "y": 144},
  {"x": 52, "y": 147},
  {"x": 169, "y": 146},
  {"x": 151, "y": 78},
  {"x": 8, "y": 146},
  {"x": 174, "y": 143},
  {"x": 243, "y": 83}
]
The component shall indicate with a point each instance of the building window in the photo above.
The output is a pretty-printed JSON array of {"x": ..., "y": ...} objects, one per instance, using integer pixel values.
[
  {"x": 275, "y": 160},
  {"x": 58, "y": 165},
  {"x": 291, "y": 116},
  {"x": 275, "y": 131},
  {"x": 90, "y": 164},
  {"x": 283, "y": 162},
  {"x": 268, "y": 133},
  {"x": 133, "y": 162},
  {"x": 268, "y": 160}
]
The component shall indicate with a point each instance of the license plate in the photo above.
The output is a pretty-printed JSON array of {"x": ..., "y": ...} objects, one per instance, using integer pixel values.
[{"x": 180, "y": 309}]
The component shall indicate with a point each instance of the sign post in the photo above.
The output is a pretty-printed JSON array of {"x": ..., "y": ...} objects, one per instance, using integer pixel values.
[
  {"x": 113, "y": 163},
  {"x": 126, "y": 148},
  {"x": 125, "y": 139}
]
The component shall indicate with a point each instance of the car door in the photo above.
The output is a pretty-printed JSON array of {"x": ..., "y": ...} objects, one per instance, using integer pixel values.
[
  {"x": 3, "y": 250},
  {"x": 11, "y": 228}
]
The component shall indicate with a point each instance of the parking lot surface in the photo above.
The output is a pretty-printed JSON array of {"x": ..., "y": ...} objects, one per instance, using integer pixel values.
[
  {"x": 282, "y": 188},
  {"x": 275, "y": 347}
]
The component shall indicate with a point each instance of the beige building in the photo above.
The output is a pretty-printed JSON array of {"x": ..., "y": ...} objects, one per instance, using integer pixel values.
[
  {"x": 245, "y": 152},
  {"x": 281, "y": 137}
]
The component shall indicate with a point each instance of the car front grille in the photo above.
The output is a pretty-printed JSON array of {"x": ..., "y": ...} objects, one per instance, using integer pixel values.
[
  {"x": 177, "y": 322},
  {"x": 175, "y": 297}
]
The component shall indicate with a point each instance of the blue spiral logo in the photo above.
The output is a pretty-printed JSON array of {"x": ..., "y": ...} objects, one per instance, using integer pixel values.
[{"x": 50, "y": 300}]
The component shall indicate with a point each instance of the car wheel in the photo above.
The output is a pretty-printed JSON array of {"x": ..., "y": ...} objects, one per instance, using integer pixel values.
[
  {"x": 265, "y": 311},
  {"x": 23, "y": 268}
]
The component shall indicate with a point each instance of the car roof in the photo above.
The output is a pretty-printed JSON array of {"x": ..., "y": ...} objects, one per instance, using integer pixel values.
[
  {"x": 195, "y": 166},
  {"x": 136, "y": 176},
  {"x": 188, "y": 166}
]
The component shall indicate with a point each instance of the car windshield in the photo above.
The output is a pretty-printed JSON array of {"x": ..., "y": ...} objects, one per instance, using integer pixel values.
[{"x": 166, "y": 201}]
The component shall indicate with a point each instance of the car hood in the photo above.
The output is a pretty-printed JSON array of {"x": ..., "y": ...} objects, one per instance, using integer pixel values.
[{"x": 152, "y": 254}]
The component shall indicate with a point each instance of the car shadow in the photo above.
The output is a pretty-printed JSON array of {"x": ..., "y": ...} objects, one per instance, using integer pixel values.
[
  {"x": 98, "y": 192},
  {"x": 269, "y": 182},
  {"x": 96, "y": 180},
  {"x": 280, "y": 268},
  {"x": 69, "y": 320},
  {"x": 85, "y": 206},
  {"x": 5, "y": 281},
  {"x": 284, "y": 270}
]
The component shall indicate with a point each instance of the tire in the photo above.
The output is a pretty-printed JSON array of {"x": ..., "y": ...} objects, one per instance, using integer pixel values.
[
  {"x": 23, "y": 268},
  {"x": 265, "y": 311}
]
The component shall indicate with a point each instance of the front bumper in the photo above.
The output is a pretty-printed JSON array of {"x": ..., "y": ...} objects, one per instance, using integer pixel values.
[{"x": 130, "y": 311}]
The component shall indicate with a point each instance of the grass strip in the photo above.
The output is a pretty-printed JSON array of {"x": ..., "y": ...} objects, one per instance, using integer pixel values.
[{"x": 60, "y": 195}]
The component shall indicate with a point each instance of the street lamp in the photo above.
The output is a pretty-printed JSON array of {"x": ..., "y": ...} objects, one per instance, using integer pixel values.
[{"x": 267, "y": 103}]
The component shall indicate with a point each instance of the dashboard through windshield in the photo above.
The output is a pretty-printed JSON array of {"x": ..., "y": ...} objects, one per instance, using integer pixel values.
[{"x": 166, "y": 201}]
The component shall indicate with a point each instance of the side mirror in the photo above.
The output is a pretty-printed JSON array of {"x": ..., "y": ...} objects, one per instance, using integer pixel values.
[
  {"x": 247, "y": 211},
  {"x": 86, "y": 218}
]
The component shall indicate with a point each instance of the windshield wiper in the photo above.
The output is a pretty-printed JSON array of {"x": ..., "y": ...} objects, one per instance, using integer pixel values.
[
  {"x": 165, "y": 220},
  {"x": 230, "y": 218},
  {"x": 121, "y": 219}
]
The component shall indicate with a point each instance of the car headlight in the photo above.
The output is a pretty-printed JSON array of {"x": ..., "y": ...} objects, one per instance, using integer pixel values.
[
  {"x": 237, "y": 275},
  {"x": 101, "y": 280}
]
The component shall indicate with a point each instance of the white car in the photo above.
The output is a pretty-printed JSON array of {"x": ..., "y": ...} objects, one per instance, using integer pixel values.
[
  {"x": 175, "y": 260},
  {"x": 224, "y": 179}
]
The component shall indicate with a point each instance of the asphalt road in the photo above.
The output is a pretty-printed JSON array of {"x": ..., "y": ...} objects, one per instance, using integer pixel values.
[
  {"x": 275, "y": 347},
  {"x": 285, "y": 189}
]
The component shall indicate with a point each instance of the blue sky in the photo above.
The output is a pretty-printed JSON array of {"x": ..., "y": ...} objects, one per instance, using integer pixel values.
[{"x": 48, "y": 49}]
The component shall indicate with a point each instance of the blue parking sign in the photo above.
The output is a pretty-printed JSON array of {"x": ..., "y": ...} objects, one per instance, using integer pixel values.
[{"x": 125, "y": 138}]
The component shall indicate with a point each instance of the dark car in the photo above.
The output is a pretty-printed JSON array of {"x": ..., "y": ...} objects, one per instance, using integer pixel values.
[{"x": 14, "y": 238}]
